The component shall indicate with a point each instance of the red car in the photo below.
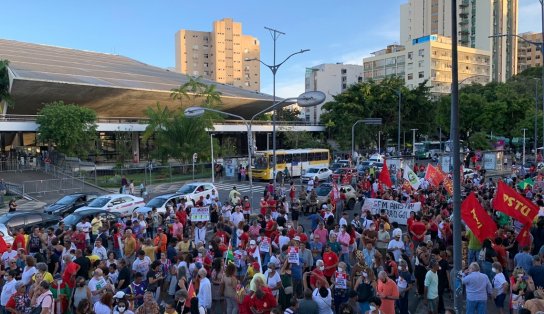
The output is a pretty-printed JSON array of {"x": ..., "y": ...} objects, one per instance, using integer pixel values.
[{"x": 344, "y": 175}]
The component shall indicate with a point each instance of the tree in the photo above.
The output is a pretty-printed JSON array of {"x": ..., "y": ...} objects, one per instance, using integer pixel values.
[
  {"x": 71, "y": 128},
  {"x": 4, "y": 83},
  {"x": 302, "y": 140}
]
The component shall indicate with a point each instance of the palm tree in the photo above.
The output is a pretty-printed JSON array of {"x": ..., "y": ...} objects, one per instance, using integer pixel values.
[
  {"x": 212, "y": 96},
  {"x": 192, "y": 89},
  {"x": 4, "y": 83},
  {"x": 179, "y": 93},
  {"x": 158, "y": 120}
]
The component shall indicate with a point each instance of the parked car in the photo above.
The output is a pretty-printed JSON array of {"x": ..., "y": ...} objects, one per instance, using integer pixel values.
[
  {"x": 69, "y": 203},
  {"x": 161, "y": 202},
  {"x": 336, "y": 165},
  {"x": 6, "y": 234},
  {"x": 26, "y": 220},
  {"x": 341, "y": 173},
  {"x": 105, "y": 215},
  {"x": 124, "y": 204},
  {"x": 193, "y": 191},
  {"x": 322, "y": 174},
  {"x": 323, "y": 192}
]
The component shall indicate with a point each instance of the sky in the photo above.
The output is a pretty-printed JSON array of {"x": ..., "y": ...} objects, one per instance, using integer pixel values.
[{"x": 334, "y": 31}]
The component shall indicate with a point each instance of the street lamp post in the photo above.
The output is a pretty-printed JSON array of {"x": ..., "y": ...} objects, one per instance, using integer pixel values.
[
  {"x": 414, "y": 141},
  {"x": 369, "y": 121},
  {"x": 213, "y": 164},
  {"x": 523, "y": 158},
  {"x": 308, "y": 99},
  {"x": 274, "y": 69},
  {"x": 379, "y": 142}
]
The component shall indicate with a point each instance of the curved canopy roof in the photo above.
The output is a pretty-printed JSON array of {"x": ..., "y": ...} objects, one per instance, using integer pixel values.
[{"x": 112, "y": 85}]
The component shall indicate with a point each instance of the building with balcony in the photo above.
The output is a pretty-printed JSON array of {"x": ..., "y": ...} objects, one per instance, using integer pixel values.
[
  {"x": 477, "y": 20},
  {"x": 428, "y": 59},
  {"x": 529, "y": 55},
  {"x": 332, "y": 79},
  {"x": 220, "y": 55}
]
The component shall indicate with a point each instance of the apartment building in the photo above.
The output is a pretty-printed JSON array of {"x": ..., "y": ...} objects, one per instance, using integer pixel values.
[
  {"x": 332, "y": 79},
  {"x": 529, "y": 55},
  {"x": 220, "y": 55},
  {"x": 477, "y": 20},
  {"x": 429, "y": 59}
]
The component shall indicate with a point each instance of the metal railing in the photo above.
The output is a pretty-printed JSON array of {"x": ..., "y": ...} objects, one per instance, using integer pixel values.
[
  {"x": 53, "y": 185},
  {"x": 143, "y": 120}
]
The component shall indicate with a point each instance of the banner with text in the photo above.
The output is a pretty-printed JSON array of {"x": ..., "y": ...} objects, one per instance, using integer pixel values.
[
  {"x": 396, "y": 211},
  {"x": 200, "y": 214}
]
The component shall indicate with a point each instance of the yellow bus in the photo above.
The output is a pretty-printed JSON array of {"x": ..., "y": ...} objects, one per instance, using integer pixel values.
[{"x": 296, "y": 160}]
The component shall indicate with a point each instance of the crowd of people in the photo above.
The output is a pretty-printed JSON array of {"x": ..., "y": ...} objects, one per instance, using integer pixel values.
[{"x": 283, "y": 255}]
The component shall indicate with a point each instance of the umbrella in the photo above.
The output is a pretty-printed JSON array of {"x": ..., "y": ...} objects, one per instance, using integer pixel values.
[{"x": 527, "y": 182}]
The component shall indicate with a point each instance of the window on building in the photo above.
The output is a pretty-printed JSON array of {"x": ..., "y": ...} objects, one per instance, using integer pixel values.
[
  {"x": 410, "y": 55},
  {"x": 420, "y": 64},
  {"x": 421, "y": 52},
  {"x": 343, "y": 71},
  {"x": 359, "y": 79},
  {"x": 421, "y": 74},
  {"x": 344, "y": 86},
  {"x": 410, "y": 76}
]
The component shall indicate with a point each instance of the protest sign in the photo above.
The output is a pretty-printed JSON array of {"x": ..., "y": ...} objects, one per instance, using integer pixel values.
[
  {"x": 292, "y": 255},
  {"x": 396, "y": 211},
  {"x": 200, "y": 214}
]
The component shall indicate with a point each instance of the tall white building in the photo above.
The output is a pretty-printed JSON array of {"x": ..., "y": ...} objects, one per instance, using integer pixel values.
[
  {"x": 477, "y": 20},
  {"x": 332, "y": 79}
]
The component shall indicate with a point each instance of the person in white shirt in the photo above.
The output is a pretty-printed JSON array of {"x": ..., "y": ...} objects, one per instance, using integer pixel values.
[
  {"x": 344, "y": 220},
  {"x": 8, "y": 255},
  {"x": 97, "y": 285},
  {"x": 10, "y": 287},
  {"x": 200, "y": 233},
  {"x": 141, "y": 264},
  {"x": 396, "y": 245},
  {"x": 273, "y": 280},
  {"x": 310, "y": 185},
  {"x": 85, "y": 226},
  {"x": 322, "y": 296},
  {"x": 205, "y": 291},
  {"x": 100, "y": 250},
  {"x": 500, "y": 286},
  {"x": 236, "y": 217}
]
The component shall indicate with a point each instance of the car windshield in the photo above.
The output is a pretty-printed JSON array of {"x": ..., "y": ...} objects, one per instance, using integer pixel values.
[
  {"x": 365, "y": 163},
  {"x": 187, "y": 189},
  {"x": 99, "y": 202},
  {"x": 71, "y": 219},
  {"x": 340, "y": 171},
  {"x": 312, "y": 170},
  {"x": 156, "y": 202},
  {"x": 261, "y": 162},
  {"x": 323, "y": 190},
  {"x": 4, "y": 219},
  {"x": 66, "y": 200}
]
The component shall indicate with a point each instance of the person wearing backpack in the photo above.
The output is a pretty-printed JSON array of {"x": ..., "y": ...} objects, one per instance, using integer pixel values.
[{"x": 365, "y": 286}]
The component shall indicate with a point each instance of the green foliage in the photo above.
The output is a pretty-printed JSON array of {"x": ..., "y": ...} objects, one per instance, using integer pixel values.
[
  {"x": 71, "y": 128},
  {"x": 196, "y": 93},
  {"x": 302, "y": 140},
  {"x": 378, "y": 100},
  {"x": 479, "y": 141},
  {"x": 177, "y": 136},
  {"x": 4, "y": 83}
]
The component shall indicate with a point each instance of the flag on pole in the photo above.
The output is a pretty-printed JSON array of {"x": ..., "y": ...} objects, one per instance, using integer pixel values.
[
  {"x": 191, "y": 293},
  {"x": 510, "y": 202},
  {"x": 434, "y": 176},
  {"x": 257, "y": 256},
  {"x": 229, "y": 257},
  {"x": 477, "y": 219},
  {"x": 385, "y": 177},
  {"x": 411, "y": 177},
  {"x": 524, "y": 236}
]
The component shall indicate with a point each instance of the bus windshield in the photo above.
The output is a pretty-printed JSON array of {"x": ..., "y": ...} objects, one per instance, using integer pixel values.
[{"x": 261, "y": 162}]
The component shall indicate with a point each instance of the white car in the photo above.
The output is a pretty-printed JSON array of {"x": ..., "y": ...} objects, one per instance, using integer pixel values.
[
  {"x": 5, "y": 234},
  {"x": 468, "y": 173},
  {"x": 194, "y": 190},
  {"x": 161, "y": 202},
  {"x": 322, "y": 174},
  {"x": 123, "y": 204}
]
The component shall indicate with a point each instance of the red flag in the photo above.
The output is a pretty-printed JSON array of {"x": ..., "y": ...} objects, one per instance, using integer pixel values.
[
  {"x": 510, "y": 202},
  {"x": 524, "y": 236},
  {"x": 448, "y": 185},
  {"x": 385, "y": 178},
  {"x": 191, "y": 293},
  {"x": 407, "y": 186},
  {"x": 434, "y": 176},
  {"x": 477, "y": 219}
]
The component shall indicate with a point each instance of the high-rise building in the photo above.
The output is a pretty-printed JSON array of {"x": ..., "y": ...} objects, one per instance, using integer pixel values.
[
  {"x": 529, "y": 55},
  {"x": 220, "y": 55},
  {"x": 477, "y": 20},
  {"x": 428, "y": 59},
  {"x": 332, "y": 79}
]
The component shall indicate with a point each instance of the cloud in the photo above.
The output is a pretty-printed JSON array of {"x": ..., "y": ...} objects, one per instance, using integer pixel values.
[{"x": 529, "y": 17}]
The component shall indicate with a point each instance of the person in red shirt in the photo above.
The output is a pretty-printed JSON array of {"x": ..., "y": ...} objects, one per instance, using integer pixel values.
[
  {"x": 70, "y": 271},
  {"x": 270, "y": 226},
  {"x": 182, "y": 215},
  {"x": 317, "y": 278},
  {"x": 19, "y": 241},
  {"x": 411, "y": 220},
  {"x": 330, "y": 260},
  {"x": 221, "y": 234},
  {"x": 244, "y": 237},
  {"x": 78, "y": 238},
  {"x": 418, "y": 231},
  {"x": 264, "y": 206},
  {"x": 501, "y": 252},
  {"x": 262, "y": 301},
  {"x": 300, "y": 233}
]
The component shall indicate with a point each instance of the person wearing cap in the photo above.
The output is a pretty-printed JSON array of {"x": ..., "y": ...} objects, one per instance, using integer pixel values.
[
  {"x": 161, "y": 242},
  {"x": 431, "y": 287},
  {"x": 19, "y": 302},
  {"x": 122, "y": 306},
  {"x": 396, "y": 245}
]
